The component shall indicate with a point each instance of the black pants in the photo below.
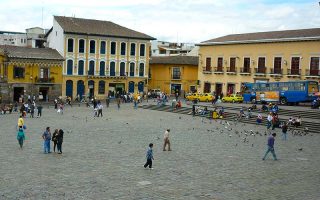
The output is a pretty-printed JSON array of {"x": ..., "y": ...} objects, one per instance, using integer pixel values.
[
  {"x": 59, "y": 146},
  {"x": 54, "y": 146},
  {"x": 39, "y": 113},
  {"x": 149, "y": 162},
  {"x": 100, "y": 112}
]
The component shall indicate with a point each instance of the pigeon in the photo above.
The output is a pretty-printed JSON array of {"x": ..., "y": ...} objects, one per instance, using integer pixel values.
[
  {"x": 179, "y": 117},
  {"x": 119, "y": 142},
  {"x": 300, "y": 149},
  {"x": 230, "y": 135},
  {"x": 158, "y": 138},
  {"x": 252, "y": 145}
]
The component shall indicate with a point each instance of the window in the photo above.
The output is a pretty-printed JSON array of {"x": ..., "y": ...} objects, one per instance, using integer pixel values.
[
  {"x": 123, "y": 48},
  {"x": 101, "y": 89},
  {"x": 122, "y": 69},
  {"x": 141, "y": 69},
  {"x": 70, "y": 45},
  {"x": 220, "y": 64},
  {"x": 44, "y": 73},
  {"x": 261, "y": 65},
  {"x": 232, "y": 64},
  {"x": 81, "y": 46},
  {"x": 92, "y": 46},
  {"x": 208, "y": 64},
  {"x": 113, "y": 48},
  {"x": 162, "y": 51},
  {"x": 176, "y": 74},
  {"x": 314, "y": 66},
  {"x": 69, "y": 67},
  {"x": 131, "y": 69},
  {"x": 142, "y": 49},
  {"x": 133, "y": 49},
  {"x": 102, "y": 47},
  {"x": 277, "y": 65},
  {"x": 112, "y": 68},
  {"x": 295, "y": 64},
  {"x": 21, "y": 40},
  {"x": 18, "y": 72},
  {"x": 246, "y": 65},
  {"x": 80, "y": 67},
  {"x": 102, "y": 68},
  {"x": 91, "y": 68}
]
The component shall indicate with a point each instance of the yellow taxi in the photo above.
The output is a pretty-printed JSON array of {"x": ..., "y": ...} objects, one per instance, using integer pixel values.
[
  {"x": 233, "y": 98},
  {"x": 206, "y": 97},
  {"x": 192, "y": 97}
]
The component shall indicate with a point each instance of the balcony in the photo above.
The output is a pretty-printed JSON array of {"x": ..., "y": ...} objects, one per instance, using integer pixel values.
[
  {"x": 276, "y": 72},
  {"x": 260, "y": 71},
  {"x": 245, "y": 71},
  {"x": 175, "y": 77},
  {"x": 312, "y": 73},
  {"x": 207, "y": 70},
  {"x": 44, "y": 80},
  {"x": 231, "y": 70},
  {"x": 293, "y": 72},
  {"x": 218, "y": 70}
]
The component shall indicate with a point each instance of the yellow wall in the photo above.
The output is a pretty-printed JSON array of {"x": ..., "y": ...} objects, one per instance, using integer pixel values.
[
  {"x": 161, "y": 77},
  {"x": 286, "y": 50},
  {"x": 32, "y": 72}
]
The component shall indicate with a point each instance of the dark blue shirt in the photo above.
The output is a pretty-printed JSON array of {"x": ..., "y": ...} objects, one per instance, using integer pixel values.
[{"x": 271, "y": 141}]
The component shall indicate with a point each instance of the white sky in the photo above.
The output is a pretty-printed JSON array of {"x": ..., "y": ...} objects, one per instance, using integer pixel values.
[{"x": 169, "y": 20}]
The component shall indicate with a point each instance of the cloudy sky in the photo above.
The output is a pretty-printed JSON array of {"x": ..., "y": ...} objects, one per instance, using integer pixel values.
[{"x": 169, "y": 20}]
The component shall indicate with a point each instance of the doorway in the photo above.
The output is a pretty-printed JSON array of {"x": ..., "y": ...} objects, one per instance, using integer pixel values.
[
  {"x": 80, "y": 89},
  {"x": 91, "y": 88},
  {"x": 207, "y": 88},
  {"x": 69, "y": 88},
  {"x": 44, "y": 91},
  {"x": 17, "y": 93},
  {"x": 231, "y": 88},
  {"x": 218, "y": 89},
  {"x": 176, "y": 88}
]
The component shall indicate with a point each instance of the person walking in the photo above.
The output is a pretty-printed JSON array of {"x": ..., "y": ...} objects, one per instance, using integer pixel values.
[
  {"x": 166, "y": 140},
  {"x": 270, "y": 148},
  {"x": 149, "y": 157},
  {"x": 107, "y": 101},
  {"x": 20, "y": 122},
  {"x": 118, "y": 102},
  {"x": 99, "y": 106},
  {"x": 269, "y": 120},
  {"x": 54, "y": 139},
  {"x": 59, "y": 141},
  {"x": 284, "y": 131},
  {"x": 32, "y": 110},
  {"x": 46, "y": 136},
  {"x": 39, "y": 110},
  {"x": 20, "y": 136}
]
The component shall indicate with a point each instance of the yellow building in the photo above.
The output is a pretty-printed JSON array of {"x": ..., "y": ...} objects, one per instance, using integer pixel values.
[
  {"x": 28, "y": 71},
  {"x": 227, "y": 62},
  {"x": 173, "y": 74},
  {"x": 101, "y": 57}
]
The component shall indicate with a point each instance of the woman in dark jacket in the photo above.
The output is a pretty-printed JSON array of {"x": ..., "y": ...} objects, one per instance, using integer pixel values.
[
  {"x": 59, "y": 141},
  {"x": 54, "y": 139}
]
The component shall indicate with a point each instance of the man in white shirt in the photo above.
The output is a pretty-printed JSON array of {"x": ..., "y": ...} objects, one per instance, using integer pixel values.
[
  {"x": 269, "y": 120},
  {"x": 166, "y": 140}
]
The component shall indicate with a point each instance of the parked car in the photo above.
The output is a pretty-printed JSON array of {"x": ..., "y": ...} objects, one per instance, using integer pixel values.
[
  {"x": 233, "y": 98},
  {"x": 192, "y": 97},
  {"x": 206, "y": 97},
  {"x": 154, "y": 93}
]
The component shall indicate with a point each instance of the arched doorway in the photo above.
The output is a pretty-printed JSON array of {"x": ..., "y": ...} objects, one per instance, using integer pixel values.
[
  {"x": 131, "y": 87},
  {"x": 69, "y": 88},
  {"x": 141, "y": 86},
  {"x": 91, "y": 88},
  {"x": 80, "y": 89}
]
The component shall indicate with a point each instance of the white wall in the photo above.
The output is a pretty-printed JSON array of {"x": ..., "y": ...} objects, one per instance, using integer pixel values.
[{"x": 55, "y": 39}]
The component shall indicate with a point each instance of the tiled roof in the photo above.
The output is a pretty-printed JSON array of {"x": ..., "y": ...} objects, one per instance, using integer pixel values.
[
  {"x": 177, "y": 60},
  {"x": 274, "y": 36},
  {"x": 98, "y": 28},
  {"x": 31, "y": 53}
]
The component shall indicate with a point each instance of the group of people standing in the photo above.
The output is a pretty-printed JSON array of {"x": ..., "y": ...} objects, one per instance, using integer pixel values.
[{"x": 56, "y": 138}]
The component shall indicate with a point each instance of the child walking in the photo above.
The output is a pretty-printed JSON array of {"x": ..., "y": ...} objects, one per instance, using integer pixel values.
[
  {"x": 20, "y": 136},
  {"x": 149, "y": 157}
]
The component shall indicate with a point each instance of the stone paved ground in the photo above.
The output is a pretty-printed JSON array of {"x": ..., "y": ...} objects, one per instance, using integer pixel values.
[{"x": 103, "y": 159}]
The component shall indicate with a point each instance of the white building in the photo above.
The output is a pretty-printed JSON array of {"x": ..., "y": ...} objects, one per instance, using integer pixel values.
[{"x": 161, "y": 48}]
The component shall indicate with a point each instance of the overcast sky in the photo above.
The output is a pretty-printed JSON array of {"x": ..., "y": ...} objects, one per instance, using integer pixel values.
[{"x": 169, "y": 20}]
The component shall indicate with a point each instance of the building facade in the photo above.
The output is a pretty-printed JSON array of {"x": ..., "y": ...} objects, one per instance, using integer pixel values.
[
  {"x": 101, "y": 57},
  {"x": 29, "y": 71},
  {"x": 173, "y": 74},
  {"x": 227, "y": 62}
]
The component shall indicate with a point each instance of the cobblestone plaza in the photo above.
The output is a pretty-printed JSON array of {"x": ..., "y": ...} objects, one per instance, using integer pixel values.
[{"x": 103, "y": 159}]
